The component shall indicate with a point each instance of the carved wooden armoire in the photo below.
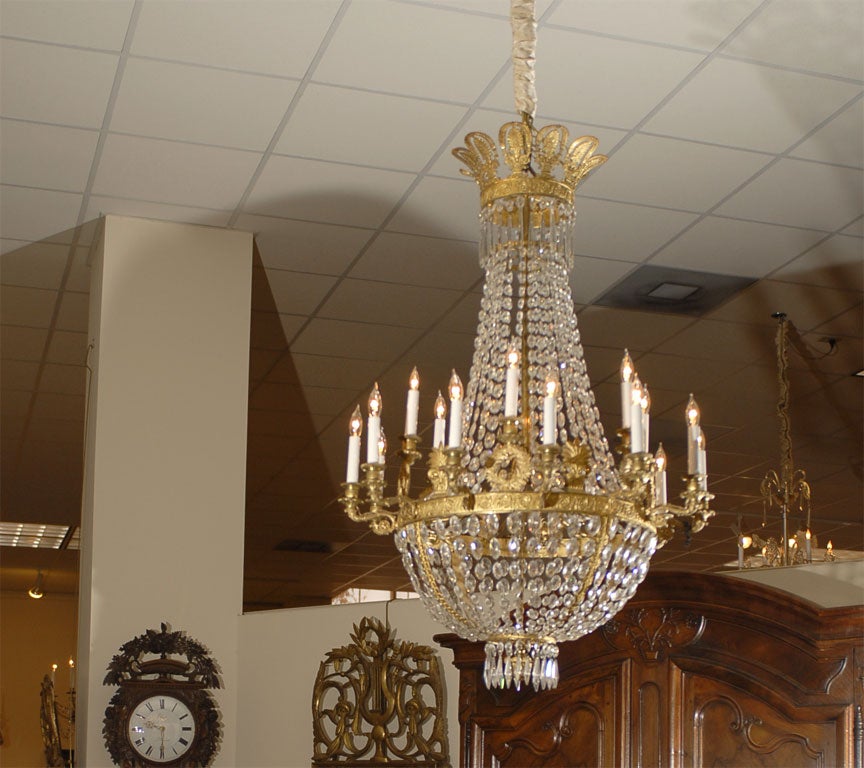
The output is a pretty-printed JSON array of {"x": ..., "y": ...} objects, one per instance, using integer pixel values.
[{"x": 697, "y": 670}]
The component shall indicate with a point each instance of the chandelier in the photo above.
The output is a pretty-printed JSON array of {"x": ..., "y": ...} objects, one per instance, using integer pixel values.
[
  {"x": 527, "y": 534},
  {"x": 787, "y": 491}
]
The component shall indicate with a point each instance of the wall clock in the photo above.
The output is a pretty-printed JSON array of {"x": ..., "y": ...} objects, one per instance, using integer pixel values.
[{"x": 162, "y": 713}]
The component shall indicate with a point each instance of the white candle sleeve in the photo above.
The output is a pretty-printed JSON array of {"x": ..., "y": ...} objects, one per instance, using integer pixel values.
[
  {"x": 511, "y": 391},
  {"x": 692, "y": 439},
  {"x": 373, "y": 432},
  {"x": 549, "y": 429},
  {"x": 626, "y": 400},
  {"x": 661, "y": 488},
  {"x": 646, "y": 429},
  {"x": 411, "y": 409},
  {"x": 636, "y": 444},
  {"x": 740, "y": 554},
  {"x": 455, "y": 434},
  {"x": 352, "y": 475},
  {"x": 438, "y": 432}
]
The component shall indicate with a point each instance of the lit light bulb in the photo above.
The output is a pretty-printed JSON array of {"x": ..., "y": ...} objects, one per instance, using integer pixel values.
[
  {"x": 440, "y": 406},
  {"x": 512, "y": 358},
  {"x": 645, "y": 400},
  {"x": 455, "y": 387},
  {"x": 356, "y": 424},
  {"x": 660, "y": 458},
  {"x": 693, "y": 414},
  {"x": 746, "y": 541},
  {"x": 414, "y": 381},
  {"x": 626, "y": 367},
  {"x": 830, "y": 546},
  {"x": 793, "y": 544},
  {"x": 807, "y": 534},
  {"x": 375, "y": 401},
  {"x": 551, "y": 387}
]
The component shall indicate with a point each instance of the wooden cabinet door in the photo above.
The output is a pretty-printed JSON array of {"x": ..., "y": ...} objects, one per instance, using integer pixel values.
[
  {"x": 730, "y": 727},
  {"x": 576, "y": 726}
]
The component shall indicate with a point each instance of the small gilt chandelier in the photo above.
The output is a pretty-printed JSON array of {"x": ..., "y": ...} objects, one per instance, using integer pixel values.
[
  {"x": 787, "y": 491},
  {"x": 527, "y": 535}
]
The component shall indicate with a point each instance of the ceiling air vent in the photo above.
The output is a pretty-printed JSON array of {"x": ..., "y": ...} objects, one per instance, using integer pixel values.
[{"x": 665, "y": 289}]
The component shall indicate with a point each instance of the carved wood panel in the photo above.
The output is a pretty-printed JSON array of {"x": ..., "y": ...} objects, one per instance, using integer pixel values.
[
  {"x": 575, "y": 729},
  {"x": 731, "y": 728},
  {"x": 697, "y": 670}
]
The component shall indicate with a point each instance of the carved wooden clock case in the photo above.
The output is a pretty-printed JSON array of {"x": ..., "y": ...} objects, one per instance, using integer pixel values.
[
  {"x": 162, "y": 713},
  {"x": 697, "y": 670}
]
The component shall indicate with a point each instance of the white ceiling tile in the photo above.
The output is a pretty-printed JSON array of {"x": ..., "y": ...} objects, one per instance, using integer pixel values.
[
  {"x": 34, "y": 214},
  {"x": 850, "y": 324},
  {"x": 7, "y": 245},
  {"x": 722, "y": 341},
  {"x": 489, "y": 121},
  {"x": 298, "y": 292},
  {"x": 731, "y": 247},
  {"x": 197, "y": 104},
  {"x": 591, "y": 277},
  {"x": 173, "y": 173},
  {"x": 99, "y": 205},
  {"x": 820, "y": 36},
  {"x": 637, "y": 74},
  {"x": 268, "y": 36},
  {"x": 840, "y": 142},
  {"x": 20, "y": 343},
  {"x": 416, "y": 50},
  {"x": 364, "y": 341},
  {"x": 856, "y": 228},
  {"x": 392, "y": 132},
  {"x": 303, "y": 246},
  {"x": 695, "y": 176},
  {"x": 440, "y": 208},
  {"x": 685, "y": 23},
  {"x": 802, "y": 194},
  {"x": 79, "y": 276},
  {"x": 85, "y": 23},
  {"x": 26, "y": 306},
  {"x": 806, "y": 305},
  {"x": 323, "y": 371},
  {"x": 291, "y": 324},
  {"x": 64, "y": 85},
  {"x": 416, "y": 260},
  {"x": 74, "y": 311},
  {"x": 19, "y": 375},
  {"x": 623, "y": 231},
  {"x": 605, "y": 327},
  {"x": 369, "y": 301},
  {"x": 838, "y": 262},
  {"x": 63, "y": 379},
  {"x": 326, "y": 192},
  {"x": 68, "y": 348},
  {"x": 463, "y": 317},
  {"x": 39, "y": 265},
  {"x": 746, "y": 105},
  {"x": 33, "y": 155}
]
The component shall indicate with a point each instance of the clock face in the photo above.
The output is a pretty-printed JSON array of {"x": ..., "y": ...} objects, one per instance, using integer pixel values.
[{"x": 161, "y": 729}]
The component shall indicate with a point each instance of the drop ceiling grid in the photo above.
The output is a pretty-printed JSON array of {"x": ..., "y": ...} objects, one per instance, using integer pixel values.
[{"x": 160, "y": 43}]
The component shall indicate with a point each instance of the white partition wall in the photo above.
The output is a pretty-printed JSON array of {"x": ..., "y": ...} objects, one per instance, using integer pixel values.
[
  {"x": 162, "y": 522},
  {"x": 281, "y": 651}
]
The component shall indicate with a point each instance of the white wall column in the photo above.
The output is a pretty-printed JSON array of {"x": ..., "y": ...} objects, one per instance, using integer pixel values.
[{"x": 165, "y": 466}]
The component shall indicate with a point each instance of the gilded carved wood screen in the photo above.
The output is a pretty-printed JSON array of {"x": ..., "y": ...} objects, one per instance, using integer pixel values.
[
  {"x": 697, "y": 670},
  {"x": 379, "y": 702}
]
